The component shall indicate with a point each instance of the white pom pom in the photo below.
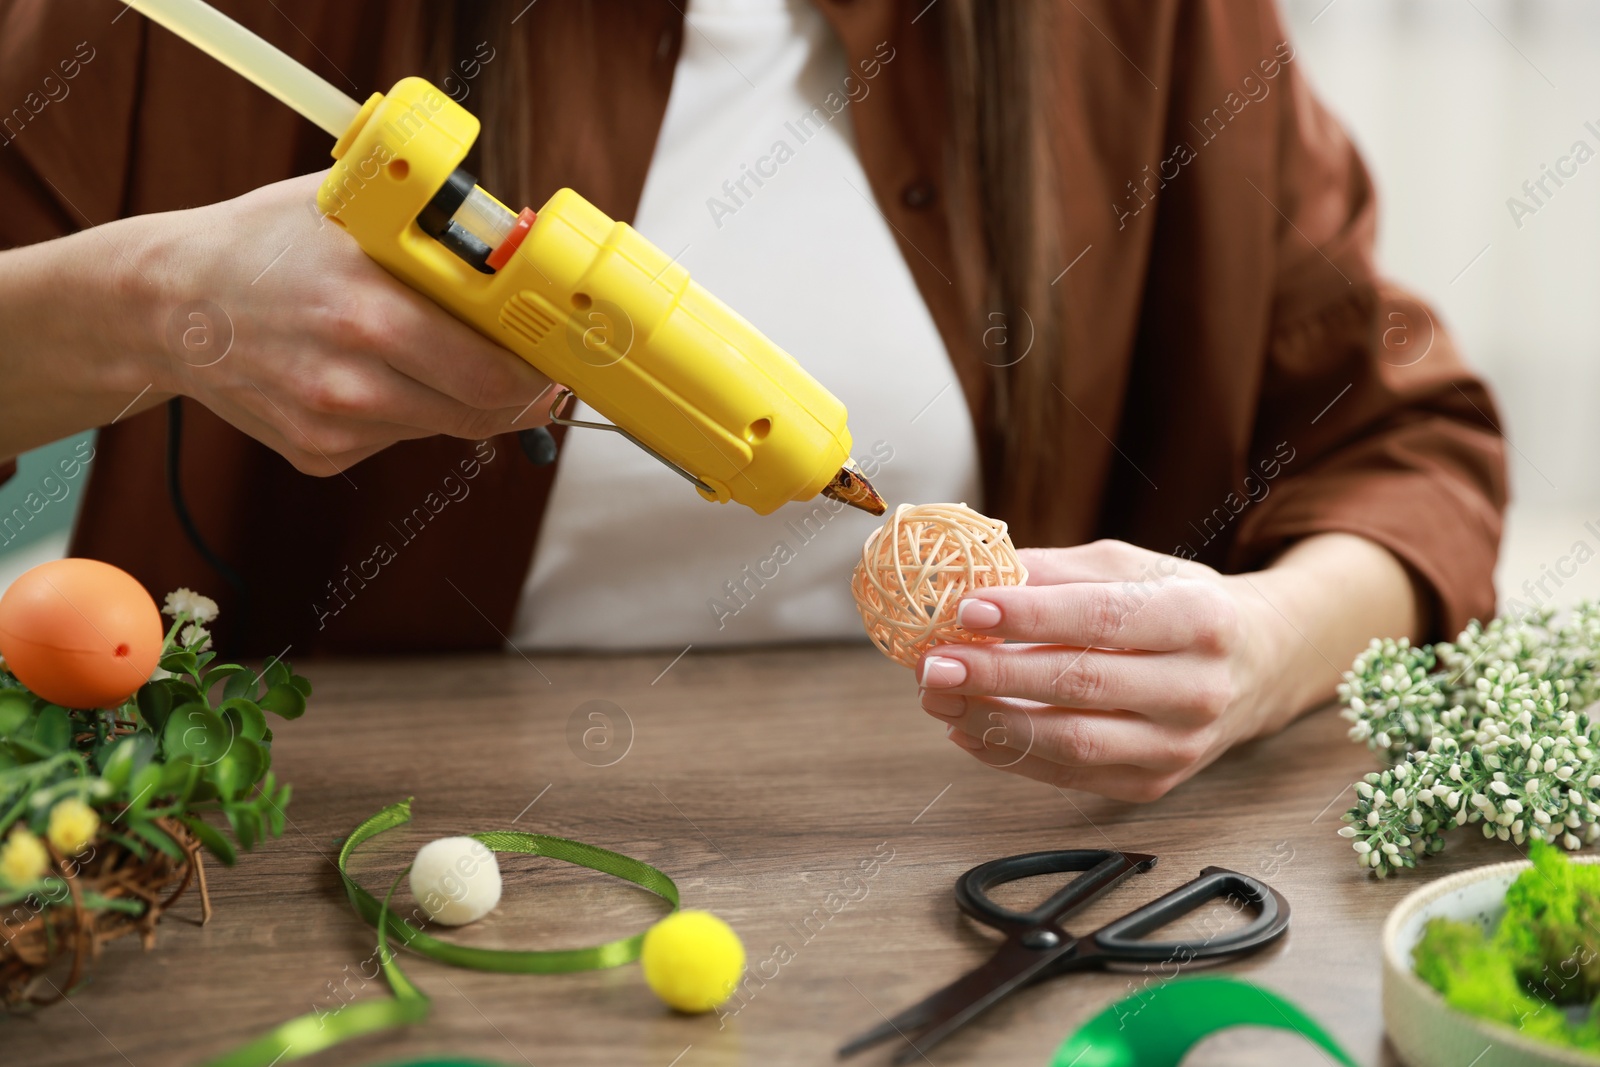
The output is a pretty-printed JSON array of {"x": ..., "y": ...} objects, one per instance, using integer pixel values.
[{"x": 455, "y": 880}]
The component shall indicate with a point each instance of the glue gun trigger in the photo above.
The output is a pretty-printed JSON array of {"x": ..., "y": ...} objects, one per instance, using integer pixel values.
[{"x": 563, "y": 394}]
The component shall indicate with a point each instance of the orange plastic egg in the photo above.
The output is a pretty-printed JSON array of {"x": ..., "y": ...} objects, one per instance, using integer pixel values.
[{"x": 80, "y": 633}]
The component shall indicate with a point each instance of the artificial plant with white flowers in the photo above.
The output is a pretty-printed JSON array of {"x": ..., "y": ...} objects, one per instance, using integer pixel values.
[{"x": 1494, "y": 728}]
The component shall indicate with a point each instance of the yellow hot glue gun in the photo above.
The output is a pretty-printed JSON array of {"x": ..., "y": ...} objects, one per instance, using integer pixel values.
[{"x": 582, "y": 297}]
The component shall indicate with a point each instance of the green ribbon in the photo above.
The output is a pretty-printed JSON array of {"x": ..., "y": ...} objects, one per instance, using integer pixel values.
[
  {"x": 1158, "y": 1027},
  {"x": 502, "y": 961},
  {"x": 315, "y": 1031}
]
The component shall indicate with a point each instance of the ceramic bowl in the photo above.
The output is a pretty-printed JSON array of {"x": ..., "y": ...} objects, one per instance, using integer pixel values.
[{"x": 1426, "y": 1031}]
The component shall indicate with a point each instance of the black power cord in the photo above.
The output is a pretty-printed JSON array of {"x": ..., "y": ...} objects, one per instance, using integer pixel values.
[
  {"x": 181, "y": 508},
  {"x": 539, "y": 445}
]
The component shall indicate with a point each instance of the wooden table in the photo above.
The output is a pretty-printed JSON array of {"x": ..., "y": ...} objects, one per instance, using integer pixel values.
[{"x": 758, "y": 781}]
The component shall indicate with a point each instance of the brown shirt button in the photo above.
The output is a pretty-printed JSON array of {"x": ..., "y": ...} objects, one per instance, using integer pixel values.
[{"x": 918, "y": 195}]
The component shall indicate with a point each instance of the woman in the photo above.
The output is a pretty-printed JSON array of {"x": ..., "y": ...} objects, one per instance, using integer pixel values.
[{"x": 1126, "y": 236}]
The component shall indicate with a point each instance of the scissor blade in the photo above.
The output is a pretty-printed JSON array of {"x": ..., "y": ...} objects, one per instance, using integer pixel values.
[
  {"x": 883, "y": 1030},
  {"x": 912, "y": 1018},
  {"x": 942, "y": 1013},
  {"x": 1007, "y": 971}
]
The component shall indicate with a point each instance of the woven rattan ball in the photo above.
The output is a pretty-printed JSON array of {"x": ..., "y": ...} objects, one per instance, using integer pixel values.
[{"x": 917, "y": 566}]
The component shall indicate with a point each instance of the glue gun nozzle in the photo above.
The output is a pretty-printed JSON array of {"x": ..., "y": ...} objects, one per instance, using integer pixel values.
[{"x": 851, "y": 487}]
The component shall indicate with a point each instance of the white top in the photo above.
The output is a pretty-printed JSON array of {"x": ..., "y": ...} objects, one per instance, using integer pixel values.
[{"x": 629, "y": 555}]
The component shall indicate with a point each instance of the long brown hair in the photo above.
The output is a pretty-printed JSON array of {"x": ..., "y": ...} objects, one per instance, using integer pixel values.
[
  {"x": 1001, "y": 174},
  {"x": 996, "y": 80}
]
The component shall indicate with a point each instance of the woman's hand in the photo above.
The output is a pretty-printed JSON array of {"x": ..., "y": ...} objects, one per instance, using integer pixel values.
[
  {"x": 332, "y": 358},
  {"x": 263, "y": 311},
  {"x": 1126, "y": 671}
]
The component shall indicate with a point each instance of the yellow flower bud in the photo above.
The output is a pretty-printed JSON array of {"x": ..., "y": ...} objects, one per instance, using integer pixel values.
[
  {"x": 23, "y": 859},
  {"x": 72, "y": 826}
]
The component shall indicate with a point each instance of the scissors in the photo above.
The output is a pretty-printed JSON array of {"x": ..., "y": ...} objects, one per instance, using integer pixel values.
[{"x": 1038, "y": 946}]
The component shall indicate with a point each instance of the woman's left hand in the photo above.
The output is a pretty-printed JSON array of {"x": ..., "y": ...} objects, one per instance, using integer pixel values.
[{"x": 1126, "y": 671}]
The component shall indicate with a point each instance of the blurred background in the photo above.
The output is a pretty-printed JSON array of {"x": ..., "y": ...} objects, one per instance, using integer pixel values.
[{"x": 1455, "y": 104}]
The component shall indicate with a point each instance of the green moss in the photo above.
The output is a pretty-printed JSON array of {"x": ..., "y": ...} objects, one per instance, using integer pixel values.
[{"x": 1543, "y": 959}]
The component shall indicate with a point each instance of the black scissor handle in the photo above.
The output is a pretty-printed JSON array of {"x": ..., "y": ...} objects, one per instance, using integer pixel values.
[
  {"x": 1102, "y": 869},
  {"x": 1120, "y": 939}
]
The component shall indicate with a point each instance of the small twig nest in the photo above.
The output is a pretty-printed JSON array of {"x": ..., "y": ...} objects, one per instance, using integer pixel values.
[
  {"x": 917, "y": 566},
  {"x": 39, "y": 931}
]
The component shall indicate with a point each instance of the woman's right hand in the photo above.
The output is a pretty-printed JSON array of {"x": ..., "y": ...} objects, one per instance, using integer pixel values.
[
  {"x": 273, "y": 318},
  {"x": 332, "y": 358}
]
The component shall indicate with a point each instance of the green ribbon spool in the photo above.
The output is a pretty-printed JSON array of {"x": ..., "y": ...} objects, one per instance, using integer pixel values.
[
  {"x": 313, "y": 1032},
  {"x": 1158, "y": 1027}
]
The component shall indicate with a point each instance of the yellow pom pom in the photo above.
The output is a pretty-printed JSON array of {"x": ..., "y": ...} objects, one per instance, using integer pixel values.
[
  {"x": 23, "y": 859},
  {"x": 73, "y": 825},
  {"x": 692, "y": 960}
]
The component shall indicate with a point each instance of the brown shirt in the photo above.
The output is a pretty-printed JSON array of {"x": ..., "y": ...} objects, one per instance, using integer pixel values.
[{"x": 1237, "y": 374}]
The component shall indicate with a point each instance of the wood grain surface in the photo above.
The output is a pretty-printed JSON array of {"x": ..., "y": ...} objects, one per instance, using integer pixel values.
[{"x": 759, "y": 781}]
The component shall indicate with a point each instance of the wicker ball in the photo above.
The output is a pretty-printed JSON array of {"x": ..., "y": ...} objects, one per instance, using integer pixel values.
[{"x": 915, "y": 569}]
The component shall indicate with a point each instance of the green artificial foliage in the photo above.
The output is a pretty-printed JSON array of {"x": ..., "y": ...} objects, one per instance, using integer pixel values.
[
  {"x": 1552, "y": 944},
  {"x": 193, "y": 740},
  {"x": 1493, "y": 729},
  {"x": 1536, "y": 972}
]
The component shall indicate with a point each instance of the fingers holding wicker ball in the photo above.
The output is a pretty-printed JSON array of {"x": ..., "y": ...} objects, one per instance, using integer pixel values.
[
  {"x": 1105, "y": 560},
  {"x": 1189, "y": 688},
  {"x": 1122, "y": 757},
  {"x": 1001, "y": 729},
  {"x": 1122, "y": 782},
  {"x": 917, "y": 567},
  {"x": 1163, "y": 615}
]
